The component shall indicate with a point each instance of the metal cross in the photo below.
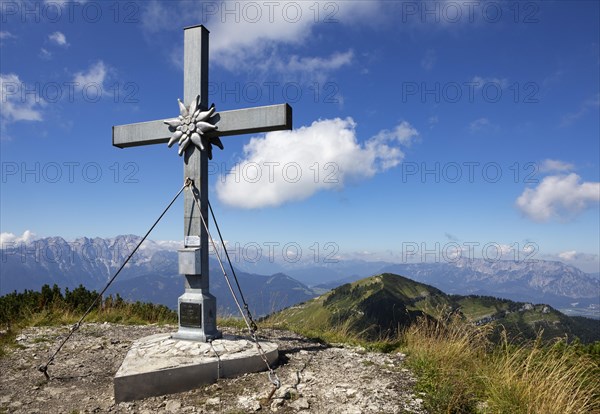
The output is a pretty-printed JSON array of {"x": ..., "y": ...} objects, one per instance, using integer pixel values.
[{"x": 197, "y": 307}]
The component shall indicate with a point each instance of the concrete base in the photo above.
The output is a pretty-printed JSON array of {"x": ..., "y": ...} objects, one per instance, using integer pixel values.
[
  {"x": 190, "y": 334},
  {"x": 160, "y": 364}
]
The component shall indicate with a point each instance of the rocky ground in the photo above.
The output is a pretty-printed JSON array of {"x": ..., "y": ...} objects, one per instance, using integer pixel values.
[{"x": 314, "y": 378}]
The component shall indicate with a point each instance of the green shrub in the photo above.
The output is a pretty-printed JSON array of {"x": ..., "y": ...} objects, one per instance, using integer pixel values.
[{"x": 50, "y": 306}]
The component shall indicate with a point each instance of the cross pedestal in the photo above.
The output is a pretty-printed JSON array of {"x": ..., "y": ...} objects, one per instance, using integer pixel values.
[{"x": 197, "y": 308}]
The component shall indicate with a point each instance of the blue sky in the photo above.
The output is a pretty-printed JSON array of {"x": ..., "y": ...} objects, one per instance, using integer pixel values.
[{"x": 415, "y": 123}]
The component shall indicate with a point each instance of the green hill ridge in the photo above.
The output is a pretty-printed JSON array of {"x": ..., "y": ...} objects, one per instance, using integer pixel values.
[{"x": 383, "y": 305}]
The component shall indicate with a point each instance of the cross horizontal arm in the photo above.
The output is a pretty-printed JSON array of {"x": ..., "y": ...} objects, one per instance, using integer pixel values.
[{"x": 236, "y": 122}]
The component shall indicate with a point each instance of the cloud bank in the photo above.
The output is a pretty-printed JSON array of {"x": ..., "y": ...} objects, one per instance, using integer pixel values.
[
  {"x": 16, "y": 107},
  {"x": 9, "y": 239},
  {"x": 286, "y": 166},
  {"x": 259, "y": 36},
  {"x": 59, "y": 38},
  {"x": 95, "y": 75},
  {"x": 559, "y": 197}
]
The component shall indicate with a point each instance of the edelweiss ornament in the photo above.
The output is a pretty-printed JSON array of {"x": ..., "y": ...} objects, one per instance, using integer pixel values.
[{"x": 190, "y": 127}]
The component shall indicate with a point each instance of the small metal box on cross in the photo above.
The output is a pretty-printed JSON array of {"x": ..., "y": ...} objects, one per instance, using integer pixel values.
[{"x": 197, "y": 307}]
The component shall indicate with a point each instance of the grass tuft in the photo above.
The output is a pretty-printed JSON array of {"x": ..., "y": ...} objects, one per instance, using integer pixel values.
[
  {"x": 461, "y": 371},
  {"x": 444, "y": 354}
]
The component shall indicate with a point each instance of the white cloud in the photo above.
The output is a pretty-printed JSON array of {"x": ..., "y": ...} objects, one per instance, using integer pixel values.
[
  {"x": 404, "y": 133},
  {"x": 287, "y": 22},
  {"x": 94, "y": 75},
  {"x": 155, "y": 17},
  {"x": 432, "y": 121},
  {"x": 6, "y": 35},
  {"x": 529, "y": 247},
  {"x": 479, "y": 124},
  {"x": 45, "y": 54},
  {"x": 15, "y": 106},
  {"x": 480, "y": 82},
  {"x": 558, "y": 197},
  {"x": 59, "y": 38},
  {"x": 428, "y": 60},
  {"x": 549, "y": 165},
  {"x": 286, "y": 166},
  {"x": 584, "y": 108},
  {"x": 315, "y": 64},
  {"x": 553, "y": 78},
  {"x": 568, "y": 255},
  {"x": 10, "y": 239},
  {"x": 309, "y": 68},
  {"x": 588, "y": 262},
  {"x": 260, "y": 36}
]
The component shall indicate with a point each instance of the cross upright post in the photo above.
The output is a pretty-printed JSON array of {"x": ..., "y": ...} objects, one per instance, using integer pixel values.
[
  {"x": 197, "y": 305},
  {"x": 195, "y": 81},
  {"x": 197, "y": 308}
]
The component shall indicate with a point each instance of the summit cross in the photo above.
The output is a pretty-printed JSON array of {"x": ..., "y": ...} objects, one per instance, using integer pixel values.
[{"x": 197, "y": 307}]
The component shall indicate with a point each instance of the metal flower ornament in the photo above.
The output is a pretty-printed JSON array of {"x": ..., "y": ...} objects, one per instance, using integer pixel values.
[{"x": 191, "y": 127}]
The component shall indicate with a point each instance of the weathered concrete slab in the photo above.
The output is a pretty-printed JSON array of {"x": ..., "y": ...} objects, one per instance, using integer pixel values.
[{"x": 159, "y": 364}]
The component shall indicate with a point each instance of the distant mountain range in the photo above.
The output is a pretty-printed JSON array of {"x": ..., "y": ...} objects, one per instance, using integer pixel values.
[
  {"x": 541, "y": 281},
  {"x": 382, "y": 305},
  {"x": 560, "y": 285},
  {"x": 152, "y": 275}
]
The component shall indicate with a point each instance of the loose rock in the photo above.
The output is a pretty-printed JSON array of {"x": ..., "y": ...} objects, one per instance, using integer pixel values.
[
  {"x": 173, "y": 406},
  {"x": 315, "y": 378},
  {"x": 213, "y": 401},
  {"x": 300, "y": 404}
]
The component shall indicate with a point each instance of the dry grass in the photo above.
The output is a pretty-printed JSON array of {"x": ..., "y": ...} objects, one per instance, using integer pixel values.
[
  {"x": 446, "y": 356},
  {"x": 344, "y": 332},
  {"x": 542, "y": 379},
  {"x": 340, "y": 333},
  {"x": 126, "y": 315},
  {"x": 462, "y": 372}
]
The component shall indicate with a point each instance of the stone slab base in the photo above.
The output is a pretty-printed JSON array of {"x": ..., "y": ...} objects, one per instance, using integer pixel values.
[{"x": 159, "y": 364}]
